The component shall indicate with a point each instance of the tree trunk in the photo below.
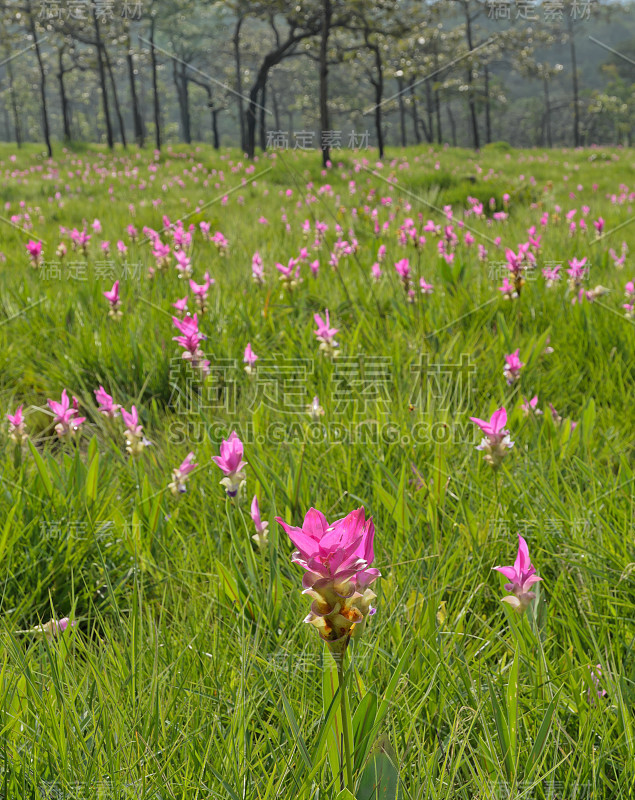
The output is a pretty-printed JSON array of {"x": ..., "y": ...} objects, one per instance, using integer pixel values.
[
  {"x": 413, "y": 111},
  {"x": 272, "y": 58},
  {"x": 402, "y": 112},
  {"x": 136, "y": 112},
  {"x": 470, "y": 80},
  {"x": 183, "y": 96},
  {"x": 155, "y": 91},
  {"x": 122, "y": 129},
  {"x": 452, "y": 125},
  {"x": 488, "y": 121},
  {"x": 239, "y": 84},
  {"x": 574, "y": 79},
  {"x": 45, "y": 115},
  {"x": 65, "y": 110},
  {"x": 429, "y": 131},
  {"x": 102, "y": 82},
  {"x": 276, "y": 107},
  {"x": 379, "y": 91},
  {"x": 324, "y": 104},
  {"x": 263, "y": 132}
]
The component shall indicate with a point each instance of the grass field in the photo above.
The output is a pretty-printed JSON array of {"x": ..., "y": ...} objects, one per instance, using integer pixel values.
[{"x": 188, "y": 671}]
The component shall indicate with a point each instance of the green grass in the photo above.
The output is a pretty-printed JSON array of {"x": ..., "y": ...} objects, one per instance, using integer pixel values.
[{"x": 190, "y": 673}]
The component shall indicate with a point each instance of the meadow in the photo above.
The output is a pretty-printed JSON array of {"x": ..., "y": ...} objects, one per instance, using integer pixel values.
[{"x": 457, "y": 285}]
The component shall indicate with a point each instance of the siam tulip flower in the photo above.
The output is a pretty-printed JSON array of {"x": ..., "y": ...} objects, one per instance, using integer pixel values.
[
  {"x": 181, "y": 305},
  {"x": 260, "y": 536},
  {"x": 315, "y": 267},
  {"x": 183, "y": 263},
  {"x": 132, "y": 232},
  {"x": 337, "y": 561},
  {"x": 596, "y": 674},
  {"x": 200, "y": 291},
  {"x": 289, "y": 275},
  {"x": 53, "y": 628},
  {"x": 113, "y": 298},
  {"x": 551, "y": 275},
  {"x": 530, "y": 407},
  {"x": 121, "y": 247},
  {"x": 96, "y": 226},
  {"x": 161, "y": 253},
  {"x": 577, "y": 272},
  {"x": 106, "y": 405},
  {"x": 66, "y": 420},
  {"x": 61, "y": 250},
  {"x": 181, "y": 474},
  {"x": 402, "y": 267},
  {"x": 315, "y": 409},
  {"x": 231, "y": 463},
  {"x": 190, "y": 341},
  {"x": 221, "y": 243},
  {"x": 497, "y": 440},
  {"x": 105, "y": 247},
  {"x": 17, "y": 426},
  {"x": 249, "y": 359},
  {"x": 376, "y": 271},
  {"x": 508, "y": 290},
  {"x": 381, "y": 253},
  {"x": 558, "y": 419},
  {"x": 257, "y": 272},
  {"x": 426, "y": 288},
  {"x": 326, "y": 335},
  {"x": 598, "y": 224},
  {"x": 513, "y": 365},
  {"x": 521, "y": 577},
  {"x": 135, "y": 440},
  {"x": 34, "y": 249}
]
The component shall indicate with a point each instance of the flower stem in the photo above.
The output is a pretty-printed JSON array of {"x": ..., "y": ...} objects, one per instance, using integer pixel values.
[{"x": 346, "y": 729}]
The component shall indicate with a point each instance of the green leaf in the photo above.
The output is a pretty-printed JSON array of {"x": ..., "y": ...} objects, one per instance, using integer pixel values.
[
  {"x": 512, "y": 704},
  {"x": 345, "y": 795},
  {"x": 363, "y": 721},
  {"x": 380, "y": 779},
  {"x": 541, "y": 736},
  {"x": 91, "y": 478},
  {"x": 41, "y": 468},
  {"x": 330, "y": 687}
]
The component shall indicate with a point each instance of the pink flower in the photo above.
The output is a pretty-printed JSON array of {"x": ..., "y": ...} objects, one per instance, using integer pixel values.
[
  {"x": 402, "y": 268},
  {"x": 113, "y": 298},
  {"x": 497, "y": 440},
  {"x": 106, "y": 405},
  {"x": 598, "y": 224},
  {"x": 135, "y": 440},
  {"x": 66, "y": 419},
  {"x": 181, "y": 473},
  {"x": 17, "y": 428},
  {"x": 190, "y": 341},
  {"x": 513, "y": 365},
  {"x": 325, "y": 334},
  {"x": 257, "y": 272},
  {"x": 376, "y": 271},
  {"x": 551, "y": 275},
  {"x": 181, "y": 304},
  {"x": 426, "y": 288},
  {"x": 231, "y": 463},
  {"x": 521, "y": 577},
  {"x": 260, "y": 537},
  {"x": 249, "y": 358},
  {"x": 337, "y": 561},
  {"x": 34, "y": 249},
  {"x": 508, "y": 290},
  {"x": 530, "y": 406}
]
